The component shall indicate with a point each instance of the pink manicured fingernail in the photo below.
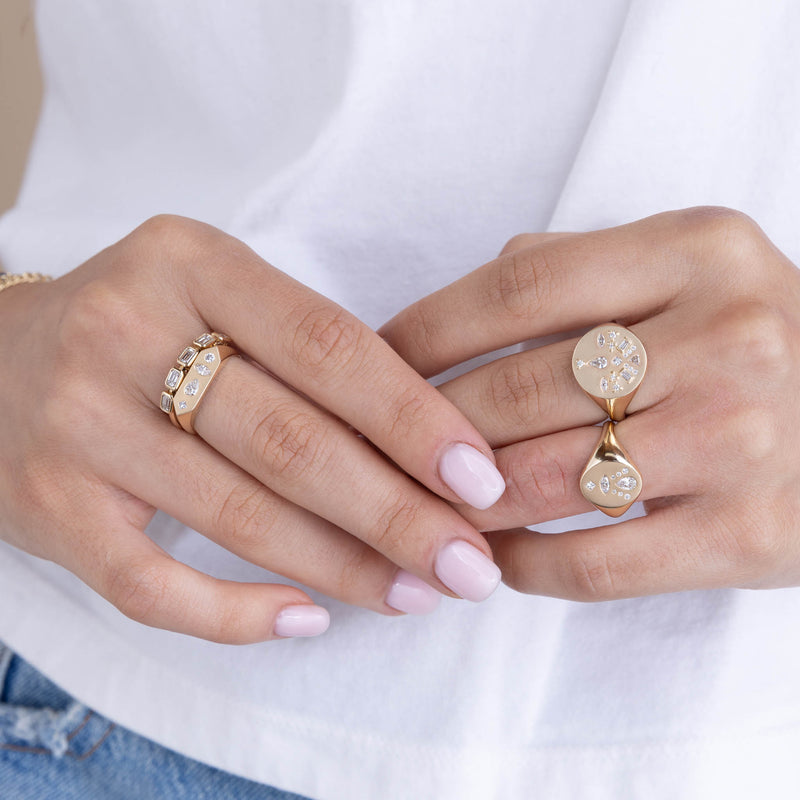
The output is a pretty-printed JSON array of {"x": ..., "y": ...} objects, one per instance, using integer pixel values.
[
  {"x": 302, "y": 621},
  {"x": 411, "y": 594},
  {"x": 471, "y": 476},
  {"x": 467, "y": 571}
]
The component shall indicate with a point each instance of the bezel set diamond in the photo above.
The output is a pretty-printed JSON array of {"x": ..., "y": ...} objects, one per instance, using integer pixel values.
[{"x": 177, "y": 380}]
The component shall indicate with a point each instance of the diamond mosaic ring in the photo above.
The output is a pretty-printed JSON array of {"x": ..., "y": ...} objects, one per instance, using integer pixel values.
[
  {"x": 609, "y": 363},
  {"x": 610, "y": 482},
  {"x": 188, "y": 380}
]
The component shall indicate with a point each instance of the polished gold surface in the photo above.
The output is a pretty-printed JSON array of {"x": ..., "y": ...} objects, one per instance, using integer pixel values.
[
  {"x": 187, "y": 381},
  {"x": 609, "y": 480},
  {"x": 609, "y": 363}
]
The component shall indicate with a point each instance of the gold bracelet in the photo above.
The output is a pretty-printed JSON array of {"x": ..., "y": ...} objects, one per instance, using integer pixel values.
[{"x": 7, "y": 279}]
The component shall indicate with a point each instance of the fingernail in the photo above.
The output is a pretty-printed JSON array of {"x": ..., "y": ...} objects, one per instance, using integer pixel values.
[
  {"x": 302, "y": 621},
  {"x": 464, "y": 569},
  {"x": 411, "y": 594},
  {"x": 471, "y": 476}
]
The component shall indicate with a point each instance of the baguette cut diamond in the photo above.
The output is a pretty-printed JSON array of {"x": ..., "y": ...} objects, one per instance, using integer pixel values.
[
  {"x": 187, "y": 356},
  {"x": 173, "y": 379},
  {"x": 166, "y": 402},
  {"x": 203, "y": 340}
]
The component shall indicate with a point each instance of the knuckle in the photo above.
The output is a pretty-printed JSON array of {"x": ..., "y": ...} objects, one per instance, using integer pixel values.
[
  {"x": 409, "y": 413},
  {"x": 518, "y": 242},
  {"x": 399, "y": 516},
  {"x": 755, "y": 548},
  {"x": 168, "y": 230},
  {"x": 245, "y": 514},
  {"x": 137, "y": 589},
  {"x": 421, "y": 332},
  {"x": 289, "y": 443},
  {"x": 757, "y": 333},
  {"x": 526, "y": 390},
  {"x": 97, "y": 309},
  {"x": 729, "y": 232},
  {"x": 522, "y": 282},
  {"x": 589, "y": 575},
  {"x": 329, "y": 337},
  {"x": 538, "y": 485}
]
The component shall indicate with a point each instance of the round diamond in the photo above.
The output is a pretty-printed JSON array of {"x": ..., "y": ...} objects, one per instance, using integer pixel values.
[{"x": 210, "y": 357}]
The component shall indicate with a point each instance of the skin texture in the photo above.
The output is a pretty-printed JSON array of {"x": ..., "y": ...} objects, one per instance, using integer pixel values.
[
  {"x": 713, "y": 428},
  {"x": 277, "y": 474}
]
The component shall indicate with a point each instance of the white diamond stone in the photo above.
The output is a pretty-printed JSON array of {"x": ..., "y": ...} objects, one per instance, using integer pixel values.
[
  {"x": 204, "y": 339},
  {"x": 191, "y": 387},
  {"x": 627, "y": 484},
  {"x": 612, "y": 335},
  {"x": 603, "y": 385},
  {"x": 635, "y": 359},
  {"x": 601, "y": 362},
  {"x": 605, "y": 484},
  {"x": 627, "y": 497},
  {"x": 210, "y": 357},
  {"x": 628, "y": 376},
  {"x": 623, "y": 346},
  {"x": 601, "y": 340},
  {"x": 624, "y": 470},
  {"x": 166, "y": 402},
  {"x": 589, "y": 485},
  {"x": 616, "y": 361},
  {"x": 203, "y": 369},
  {"x": 183, "y": 405},
  {"x": 186, "y": 356},
  {"x": 580, "y": 363},
  {"x": 173, "y": 379},
  {"x": 616, "y": 387}
]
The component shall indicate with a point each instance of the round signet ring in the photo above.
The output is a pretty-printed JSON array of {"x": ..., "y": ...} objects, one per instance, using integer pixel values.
[
  {"x": 609, "y": 363},
  {"x": 610, "y": 481}
]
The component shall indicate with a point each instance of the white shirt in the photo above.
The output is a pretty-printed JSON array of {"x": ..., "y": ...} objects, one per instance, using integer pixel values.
[{"x": 377, "y": 150}]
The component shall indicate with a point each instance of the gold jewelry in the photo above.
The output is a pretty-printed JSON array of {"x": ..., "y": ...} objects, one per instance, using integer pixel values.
[
  {"x": 7, "y": 279},
  {"x": 194, "y": 369},
  {"x": 609, "y": 363},
  {"x": 610, "y": 482}
]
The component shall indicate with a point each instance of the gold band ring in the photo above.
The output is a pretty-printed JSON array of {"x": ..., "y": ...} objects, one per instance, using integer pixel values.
[
  {"x": 610, "y": 482},
  {"x": 609, "y": 363},
  {"x": 188, "y": 380}
]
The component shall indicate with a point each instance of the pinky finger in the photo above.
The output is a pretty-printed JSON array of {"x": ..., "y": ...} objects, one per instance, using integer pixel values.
[{"x": 149, "y": 586}]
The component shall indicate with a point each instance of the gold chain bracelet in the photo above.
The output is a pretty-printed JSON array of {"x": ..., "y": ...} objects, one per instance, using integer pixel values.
[{"x": 7, "y": 279}]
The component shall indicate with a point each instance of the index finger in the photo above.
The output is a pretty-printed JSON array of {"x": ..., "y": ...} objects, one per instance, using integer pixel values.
[
  {"x": 560, "y": 284},
  {"x": 328, "y": 355}
]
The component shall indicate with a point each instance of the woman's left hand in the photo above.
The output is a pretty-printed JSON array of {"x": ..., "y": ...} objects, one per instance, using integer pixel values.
[{"x": 713, "y": 428}]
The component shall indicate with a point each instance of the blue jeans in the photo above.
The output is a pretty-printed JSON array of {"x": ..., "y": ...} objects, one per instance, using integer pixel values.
[{"x": 54, "y": 748}]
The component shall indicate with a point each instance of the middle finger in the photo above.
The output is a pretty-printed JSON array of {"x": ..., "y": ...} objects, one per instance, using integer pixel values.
[{"x": 534, "y": 393}]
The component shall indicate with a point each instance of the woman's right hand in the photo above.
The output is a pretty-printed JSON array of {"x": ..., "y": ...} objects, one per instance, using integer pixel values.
[{"x": 277, "y": 474}]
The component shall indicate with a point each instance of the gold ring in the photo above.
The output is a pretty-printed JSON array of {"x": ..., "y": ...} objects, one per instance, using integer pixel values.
[
  {"x": 610, "y": 481},
  {"x": 188, "y": 380},
  {"x": 609, "y": 363}
]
